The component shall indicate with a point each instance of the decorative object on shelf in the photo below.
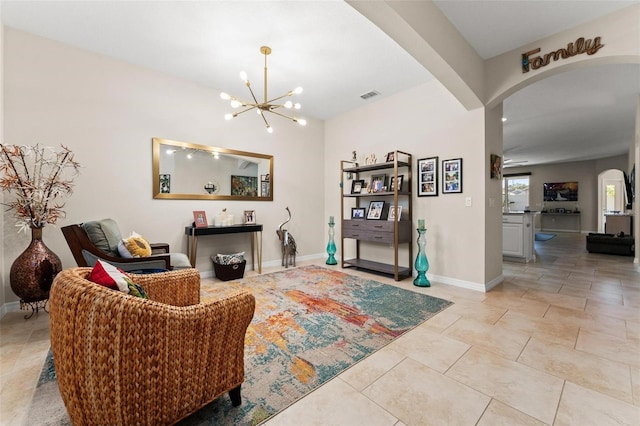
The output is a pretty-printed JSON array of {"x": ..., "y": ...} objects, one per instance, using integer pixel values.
[
  {"x": 496, "y": 167},
  {"x": 200, "y": 219},
  {"x": 370, "y": 159},
  {"x": 357, "y": 186},
  {"x": 287, "y": 243},
  {"x": 165, "y": 183},
  {"x": 211, "y": 187},
  {"x": 331, "y": 245},
  {"x": 391, "y": 156},
  {"x": 37, "y": 176},
  {"x": 358, "y": 212},
  {"x": 223, "y": 219},
  {"x": 354, "y": 159},
  {"x": 422, "y": 263},
  {"x": 267, "y": 105},
  {"x": 395, "y": 212},
  {"x": 428, "y": 177},
  {"x": 249, "y": 217},
  {"x": 452, "y": 176},
  {"x": 376, "y": 210},
  {"x": 392, "y": 183}
]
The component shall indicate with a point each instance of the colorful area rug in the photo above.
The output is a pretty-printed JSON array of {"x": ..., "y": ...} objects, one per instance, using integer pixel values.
[
  {"x": 541, "y": 236},
  {"x": 311, "y": 323}
]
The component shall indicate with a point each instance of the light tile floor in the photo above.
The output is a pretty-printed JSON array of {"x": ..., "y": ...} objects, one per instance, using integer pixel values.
[{"x": 557, "y": 343}]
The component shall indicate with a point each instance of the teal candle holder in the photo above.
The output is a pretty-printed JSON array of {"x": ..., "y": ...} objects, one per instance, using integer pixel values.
[
  {"x": 331, "y": 246},
  {"x": 422, "y": 263}
]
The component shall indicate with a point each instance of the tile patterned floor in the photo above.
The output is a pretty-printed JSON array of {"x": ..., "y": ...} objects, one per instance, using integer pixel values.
[{"x": 557, "y": 343}]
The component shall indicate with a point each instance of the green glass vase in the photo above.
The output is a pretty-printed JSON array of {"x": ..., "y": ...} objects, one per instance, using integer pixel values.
[
  {"x": 422, "y": 263},
  {"x": 331, "y": 246}
]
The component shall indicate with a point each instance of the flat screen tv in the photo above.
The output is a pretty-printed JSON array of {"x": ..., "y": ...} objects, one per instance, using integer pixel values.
[
  {"x": 630, "y": 184},
  {"x": 561, "y": 191}
]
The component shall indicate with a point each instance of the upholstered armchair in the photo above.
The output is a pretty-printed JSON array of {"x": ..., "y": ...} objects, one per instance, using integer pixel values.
[
  {"x": 125, "y": 360},
  {"x": 99, "y": 239}
]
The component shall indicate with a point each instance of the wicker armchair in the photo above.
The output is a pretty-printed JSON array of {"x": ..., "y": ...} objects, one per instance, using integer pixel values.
[{"x": 124, "y": 360}]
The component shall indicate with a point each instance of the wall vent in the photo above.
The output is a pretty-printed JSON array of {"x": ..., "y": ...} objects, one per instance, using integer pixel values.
[{"x": 370, "y": 94}]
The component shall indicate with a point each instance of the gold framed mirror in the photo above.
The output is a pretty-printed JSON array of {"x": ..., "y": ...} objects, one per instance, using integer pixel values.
[{"x": 188, "y": 171}]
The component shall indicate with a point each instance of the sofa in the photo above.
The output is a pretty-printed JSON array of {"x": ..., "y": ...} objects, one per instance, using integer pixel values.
[
  {"x": 126, "y": 360},
  {"x": 611, "y": 244}
]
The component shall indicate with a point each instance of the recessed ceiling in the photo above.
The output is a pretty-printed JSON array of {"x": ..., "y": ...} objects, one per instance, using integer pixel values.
[{"x": 337, "y": 55}]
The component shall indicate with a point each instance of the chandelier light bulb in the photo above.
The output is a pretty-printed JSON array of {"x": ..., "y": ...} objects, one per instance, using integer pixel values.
[
  {"x": 297, "y": 106},
  {"x": 235, "y": 103},
  {"x": 228, "y": 116},
  {"x": 297, "y": 90},
  {"x": 225, "y": 96},
  {"x": 269, "y": 129},
  {"x": 243, "y": 76},
  {"x": 302, "y": 121},
  {"x": 288, "y": 104}
]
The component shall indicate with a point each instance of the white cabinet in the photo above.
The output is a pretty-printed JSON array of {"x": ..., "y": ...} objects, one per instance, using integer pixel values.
[{"x": 518, "y": 237}]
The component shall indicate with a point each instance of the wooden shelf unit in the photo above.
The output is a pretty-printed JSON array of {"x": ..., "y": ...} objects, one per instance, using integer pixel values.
[{"x": 384, "y": 232}]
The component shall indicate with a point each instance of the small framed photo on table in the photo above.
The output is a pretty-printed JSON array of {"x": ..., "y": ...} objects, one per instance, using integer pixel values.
[
  {"x": 394, "y": 212},
  {"x": 376, "y": 209},
  {"x": 392, "y": 183},
  {"x": 452, "y": 176},
  {"x": 249, "y": 217},
  {"x": 200, "y": 219},
  {"x": 428, "y": 177},
  {"x": 357, "y": 186},
  {"x": 357, "y": 212}
]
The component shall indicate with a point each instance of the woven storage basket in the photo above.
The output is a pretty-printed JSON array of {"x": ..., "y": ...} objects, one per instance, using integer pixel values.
[{"x": 233, "y": 271}]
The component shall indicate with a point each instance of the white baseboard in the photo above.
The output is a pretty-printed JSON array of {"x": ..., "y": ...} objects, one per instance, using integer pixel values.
[
  {"x": 9, "y": 307},
  {"x": 469, "y": 285}
]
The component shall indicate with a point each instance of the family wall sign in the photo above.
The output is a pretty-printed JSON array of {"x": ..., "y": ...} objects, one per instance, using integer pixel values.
[{"x": 580, "y": 46}]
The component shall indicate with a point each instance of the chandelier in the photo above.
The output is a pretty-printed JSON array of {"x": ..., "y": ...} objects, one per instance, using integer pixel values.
[{"x": 267, "y": 105}]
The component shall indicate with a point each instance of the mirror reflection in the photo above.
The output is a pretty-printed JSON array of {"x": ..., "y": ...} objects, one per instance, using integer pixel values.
[{"x": 187, "y": 171}]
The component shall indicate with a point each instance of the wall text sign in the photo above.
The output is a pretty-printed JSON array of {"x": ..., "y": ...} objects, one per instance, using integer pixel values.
[{"x": 580, "y": 46}]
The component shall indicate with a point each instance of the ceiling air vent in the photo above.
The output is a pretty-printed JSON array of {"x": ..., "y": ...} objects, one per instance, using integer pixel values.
[{"x": 370, "y": 94}]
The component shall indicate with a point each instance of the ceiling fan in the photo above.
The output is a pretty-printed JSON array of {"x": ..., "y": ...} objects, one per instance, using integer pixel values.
[{"x": 508, "y": 162}]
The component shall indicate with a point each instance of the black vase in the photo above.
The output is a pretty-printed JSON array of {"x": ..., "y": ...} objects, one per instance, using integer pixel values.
[{"x": 33, "y": 271}]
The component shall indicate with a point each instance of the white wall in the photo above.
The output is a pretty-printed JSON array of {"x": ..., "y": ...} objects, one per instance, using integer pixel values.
[
  {"x": 425, "y": 121},
  {"x": 108, "y": 111},
  {"x": 2, "y": 258}
]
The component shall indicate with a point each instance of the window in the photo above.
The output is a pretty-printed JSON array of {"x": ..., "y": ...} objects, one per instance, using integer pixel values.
[{"x": 515, "y": 193}]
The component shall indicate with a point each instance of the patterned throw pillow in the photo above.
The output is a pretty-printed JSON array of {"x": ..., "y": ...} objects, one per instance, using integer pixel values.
[
  {"x": 109, "y": 276},
  {"x": 135, "y": 246},
  {"x": 229, "y": 259}
]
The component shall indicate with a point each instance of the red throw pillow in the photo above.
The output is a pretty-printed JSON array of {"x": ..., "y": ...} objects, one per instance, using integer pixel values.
[{"x": 109, "y": 276}]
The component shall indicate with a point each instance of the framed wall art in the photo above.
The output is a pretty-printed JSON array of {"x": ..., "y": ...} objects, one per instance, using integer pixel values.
[
  {"x": 165, "y": 183},
  {"x": 428, "y": 177},
  {"x": 244, "y": 185},
  {"x": 375, "y": 210},
  {"x": 496, "y": 166},
  {"x": 560, "y": 191},
  {"x": 452, "y": 176}
]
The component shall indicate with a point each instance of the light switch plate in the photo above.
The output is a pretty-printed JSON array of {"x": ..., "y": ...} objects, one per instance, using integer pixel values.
[{"x": 467, "y": 201}]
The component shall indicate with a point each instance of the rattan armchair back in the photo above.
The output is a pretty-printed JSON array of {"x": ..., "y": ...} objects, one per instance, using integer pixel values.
[{"x": 123, "y": 360}]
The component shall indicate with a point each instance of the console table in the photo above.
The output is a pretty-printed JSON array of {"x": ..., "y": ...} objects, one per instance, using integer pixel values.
[
  {"x": 569, "y": 222},
  {"x": 255, "y": 232}
]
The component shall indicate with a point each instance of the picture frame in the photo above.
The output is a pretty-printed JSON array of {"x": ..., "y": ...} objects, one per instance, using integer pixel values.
[
  {"x": 391, "y": 156},
  {"x": 452, "y": 176},
  {"x": 393, "y": 212},
  {"x": 249, "y": 217},
  {"x": 376, "y": 208},
  {"x": 165, "y": 183},
  {"x": 392, "y": 183},
  {"x": 496, "y": 166},
  {"x": 200, "y": 219},
  {"x": 428, "y": 177},
  {"x": 244, "y": 186},
  {"x": 357, "y": 186},
  {"x": 358, "y": 213},
  {"x": 377, "y": 182}
]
